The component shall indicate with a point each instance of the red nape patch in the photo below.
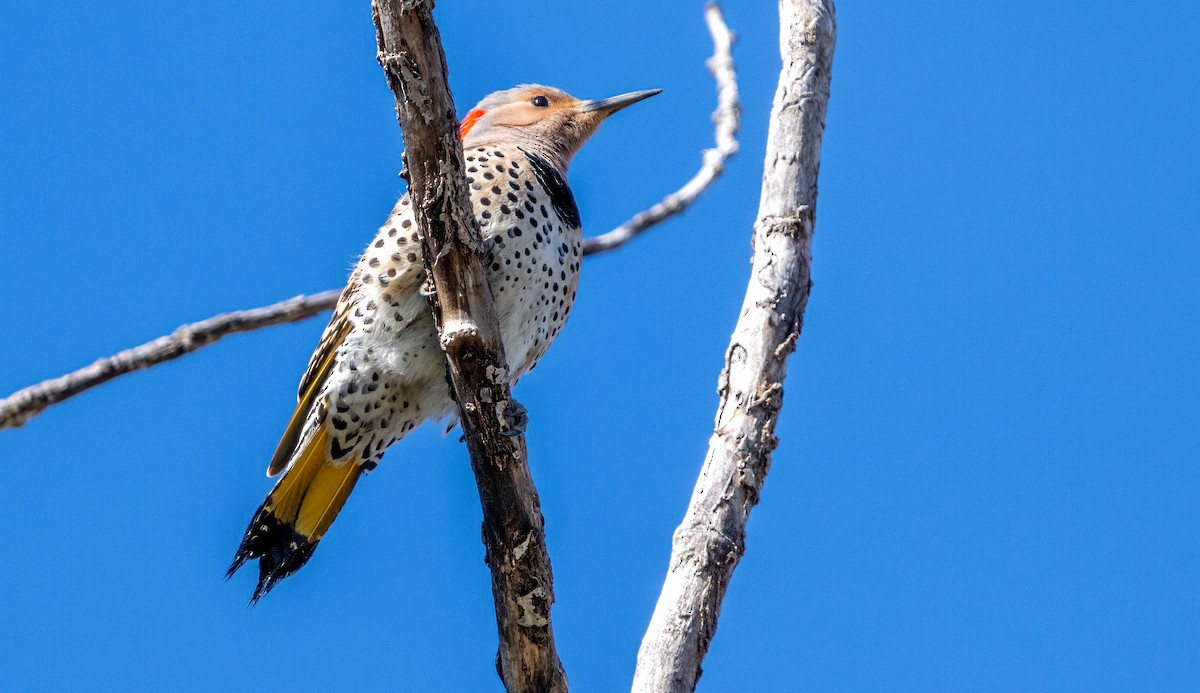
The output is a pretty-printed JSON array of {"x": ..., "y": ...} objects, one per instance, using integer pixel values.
[{"x": 469, "y": 122}]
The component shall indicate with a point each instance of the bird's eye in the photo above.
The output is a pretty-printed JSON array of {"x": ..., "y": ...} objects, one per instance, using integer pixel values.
[{"x": 540, "y": 101}]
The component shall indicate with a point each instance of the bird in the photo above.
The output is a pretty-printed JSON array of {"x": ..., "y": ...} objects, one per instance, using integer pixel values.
[{"x": 378, "y": 372}]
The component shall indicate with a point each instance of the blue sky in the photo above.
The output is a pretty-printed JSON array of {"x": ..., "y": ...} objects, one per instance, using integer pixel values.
[{"x": 986, "y": 478}]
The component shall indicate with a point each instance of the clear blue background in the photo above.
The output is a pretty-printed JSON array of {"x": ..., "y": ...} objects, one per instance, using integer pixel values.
[{"x": 987, "y": 476}]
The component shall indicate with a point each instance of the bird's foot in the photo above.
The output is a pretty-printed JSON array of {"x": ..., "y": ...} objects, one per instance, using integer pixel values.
[
  {"x": 427, "y": 289},
  {"x": 514, "y": 418}
]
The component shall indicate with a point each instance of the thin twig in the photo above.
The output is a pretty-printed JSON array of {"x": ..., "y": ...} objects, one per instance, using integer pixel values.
[
  {"x": 19, "y": 407},
  {"x": 712, "y": 537},
  {"x": 24, "y": 404},
  {"x": 726, "y": 118}
]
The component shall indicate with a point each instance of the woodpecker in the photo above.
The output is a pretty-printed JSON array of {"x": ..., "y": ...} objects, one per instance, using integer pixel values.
[{"x": 377, "y": 372}]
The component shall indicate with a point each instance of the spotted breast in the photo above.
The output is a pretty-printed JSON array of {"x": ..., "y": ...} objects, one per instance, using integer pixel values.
[{"x": 378, "y": 372}]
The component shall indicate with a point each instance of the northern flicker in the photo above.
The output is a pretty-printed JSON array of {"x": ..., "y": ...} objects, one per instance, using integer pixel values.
[{"x": 378, "y": 372}]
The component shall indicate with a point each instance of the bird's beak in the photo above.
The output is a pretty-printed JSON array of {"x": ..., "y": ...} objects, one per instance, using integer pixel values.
[{"x": 613, "y": 104}]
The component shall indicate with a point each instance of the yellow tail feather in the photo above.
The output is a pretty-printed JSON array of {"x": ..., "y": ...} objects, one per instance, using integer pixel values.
[
  {"x": 313, "y": 490},
  {"x": 285, "y": 499},
  {"x": 326, "y": 495},
  {"x": 295, "y": 426}
]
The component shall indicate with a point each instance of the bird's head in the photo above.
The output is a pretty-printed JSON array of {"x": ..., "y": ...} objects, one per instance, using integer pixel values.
[{"x": 546, "y": 119}]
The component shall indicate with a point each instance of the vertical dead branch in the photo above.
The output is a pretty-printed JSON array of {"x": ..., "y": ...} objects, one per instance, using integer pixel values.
[
  {"x": 711, "y": 540},
  {"x": 410, "y": 52}
]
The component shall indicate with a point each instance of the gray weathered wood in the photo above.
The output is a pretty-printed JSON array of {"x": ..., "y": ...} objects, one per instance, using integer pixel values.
[{"x": 711, "y": 540}]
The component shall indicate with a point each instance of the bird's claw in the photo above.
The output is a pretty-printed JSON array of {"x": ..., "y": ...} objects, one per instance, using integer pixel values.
[{"x": 514, "y": 418}]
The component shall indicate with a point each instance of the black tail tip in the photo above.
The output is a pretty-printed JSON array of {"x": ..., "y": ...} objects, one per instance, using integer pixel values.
[
  {"x": 279, "y": 548},
  {"x": 239, "y": 560}
]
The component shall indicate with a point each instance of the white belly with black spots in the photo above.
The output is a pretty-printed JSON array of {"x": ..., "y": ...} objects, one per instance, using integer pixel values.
[
  {"x": 535, "y": 253},
  {"x": 390, "y": 373}
]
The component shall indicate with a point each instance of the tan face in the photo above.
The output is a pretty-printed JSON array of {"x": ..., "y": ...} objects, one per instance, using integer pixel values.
[
  {"x": 543, "y": 118},
  {"x": 522, "y": 108},
  {"x": 532, "y": 106}
]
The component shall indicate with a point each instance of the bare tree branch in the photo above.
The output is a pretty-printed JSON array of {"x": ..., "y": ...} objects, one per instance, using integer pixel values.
[
  {"x": 19, "y": 407},
  {"x": 727, "y": 118},
  {"x": 24, "y": 404},
  {"x": 711, "y": 540},
  {"x": 410, "y": 52}
]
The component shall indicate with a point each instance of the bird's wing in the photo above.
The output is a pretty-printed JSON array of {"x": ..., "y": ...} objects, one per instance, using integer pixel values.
[
  {"x": 331, "y": 338},
  {"x": 318, "y": 369}
]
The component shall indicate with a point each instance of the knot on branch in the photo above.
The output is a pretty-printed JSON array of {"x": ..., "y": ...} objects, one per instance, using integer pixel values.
[
  {"x": 185, "y": 337},
  {"x": 769, "y": 398},
  {"x": 703, "y": 544},
  {"x": 788, "y": 345},
  {"x": 460, "y": 339},
  {"x": 513, "y": 417},
  {"x": 714, "y": 160},
  {"x": 753, "y": 468},
  {"x": 796, "y": 227}
]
